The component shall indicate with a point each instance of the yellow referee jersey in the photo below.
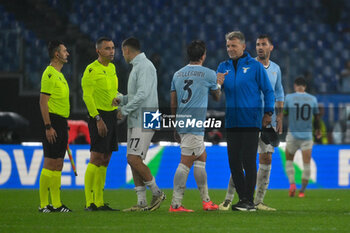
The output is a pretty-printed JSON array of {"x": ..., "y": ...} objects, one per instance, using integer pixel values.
[
  {"x": 54, "y": 84},
  {"x": 100, "y": 86}
]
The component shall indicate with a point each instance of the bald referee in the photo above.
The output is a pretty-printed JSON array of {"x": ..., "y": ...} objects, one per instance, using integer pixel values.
[
  {"x": 54, "y": 106},
  {"x": 100, "y": 86}
]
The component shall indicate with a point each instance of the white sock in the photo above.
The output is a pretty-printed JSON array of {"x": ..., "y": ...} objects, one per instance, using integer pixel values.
[
  {"x": 230, "y": 190},
  {"x": 153, "y": 187},
  {"x": 180, "y": 180},
  {"x": 200, "y": 175},
  {"x": 263, "y": 179},
  {"x": 290, "y": 171},
  {"x": 305, "y": 176},
  {"x": 141, "y": 195},
  {"x": 306, "y": 172}
]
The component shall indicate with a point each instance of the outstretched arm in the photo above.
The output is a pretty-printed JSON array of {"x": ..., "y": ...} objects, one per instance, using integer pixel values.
[{"x": 220, "y": 81}]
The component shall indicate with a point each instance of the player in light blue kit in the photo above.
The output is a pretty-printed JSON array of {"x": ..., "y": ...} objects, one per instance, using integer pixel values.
[
  {"x": 300, "y": 108},
  {"x": 189, "y": 101},
  {"x": 264, "y": 47}
]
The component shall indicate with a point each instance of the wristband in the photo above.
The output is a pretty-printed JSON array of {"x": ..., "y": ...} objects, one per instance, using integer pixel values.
[
  {"x": 48, "y": 126},
  {"x": 98, "y": 117}
]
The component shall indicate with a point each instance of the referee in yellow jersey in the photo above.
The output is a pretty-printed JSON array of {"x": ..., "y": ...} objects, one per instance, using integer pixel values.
[
  {"x": 100, "y": 86},
  {"x": 54, "y": 106}
]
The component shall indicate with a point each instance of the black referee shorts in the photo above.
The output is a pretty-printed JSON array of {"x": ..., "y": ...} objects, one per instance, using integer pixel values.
[
  {"x": 109, "y": 143},
  {"x": 58, "y": 148}
]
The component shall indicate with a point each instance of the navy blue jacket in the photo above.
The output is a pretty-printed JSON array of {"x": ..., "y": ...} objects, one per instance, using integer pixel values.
[{"x": 243, "y": 92}]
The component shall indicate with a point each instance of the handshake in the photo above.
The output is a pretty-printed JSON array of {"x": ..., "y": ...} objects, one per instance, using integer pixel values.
[{"x": 116, "y": 102}]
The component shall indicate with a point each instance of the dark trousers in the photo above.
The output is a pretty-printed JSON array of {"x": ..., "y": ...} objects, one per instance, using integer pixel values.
[{"x": 242, "y": 146}]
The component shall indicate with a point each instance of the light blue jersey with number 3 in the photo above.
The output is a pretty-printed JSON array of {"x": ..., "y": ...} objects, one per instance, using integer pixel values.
[
  {"x": 300, "y": 108},
  {"x": 192, "y": 84}
]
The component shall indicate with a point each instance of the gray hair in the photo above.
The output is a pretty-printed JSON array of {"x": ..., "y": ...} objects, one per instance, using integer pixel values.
[{"x": 235, "y": 35}]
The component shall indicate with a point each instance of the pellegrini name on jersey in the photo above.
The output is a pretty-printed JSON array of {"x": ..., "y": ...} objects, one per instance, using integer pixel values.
[{"x": 190, "y": 73}]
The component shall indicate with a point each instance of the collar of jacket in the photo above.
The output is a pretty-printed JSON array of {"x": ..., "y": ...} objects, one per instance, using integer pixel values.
[
  {"x": 243, "y": 57},
  {"x": 138, "y": 58},
  {"x": 245, "y": 54}
]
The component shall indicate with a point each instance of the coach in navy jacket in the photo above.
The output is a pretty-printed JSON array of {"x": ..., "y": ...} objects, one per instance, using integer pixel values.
[{"x": 243, "y": 84}]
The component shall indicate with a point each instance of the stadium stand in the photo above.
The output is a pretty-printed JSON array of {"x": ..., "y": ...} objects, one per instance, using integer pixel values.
[
  {"x": 165, "y": 27},
  {"x": 304, "y": 38}
]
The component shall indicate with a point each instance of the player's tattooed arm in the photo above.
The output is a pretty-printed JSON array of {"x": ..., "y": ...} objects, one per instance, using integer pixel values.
[
  {"x": 173, "y": 108},
  {"x": 317, "y": 126},
  {"x": 279, "y": 118}
]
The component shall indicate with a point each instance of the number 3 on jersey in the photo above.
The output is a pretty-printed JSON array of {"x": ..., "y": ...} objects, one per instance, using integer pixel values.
[{"x": 187, "y": 88}]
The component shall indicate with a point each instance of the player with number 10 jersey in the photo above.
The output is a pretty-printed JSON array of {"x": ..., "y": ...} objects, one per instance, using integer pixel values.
[{"x": 301, "y": 107}]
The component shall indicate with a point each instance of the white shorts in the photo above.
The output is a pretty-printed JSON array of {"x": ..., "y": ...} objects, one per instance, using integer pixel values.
[
  {"x": 265, "y": 148},
  {"x": 138, "y": 141},
  {"x": 192, "y": 144},
  {"x": 293, "y": 144}
]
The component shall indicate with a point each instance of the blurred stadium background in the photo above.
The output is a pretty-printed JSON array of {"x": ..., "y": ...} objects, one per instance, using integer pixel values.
[{"x": 311, "y": 38}]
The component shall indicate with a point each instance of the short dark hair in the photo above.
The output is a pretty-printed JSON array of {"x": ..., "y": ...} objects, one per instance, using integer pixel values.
[
  {"x": 101, "y": 39},
  {"x": 195, "y": 50},
  {"x": 265, "y": 36},
  {"x": 53, "y": 46},
  {"x": 133, "y": 43},
  {"x": 300, "y": 81}
]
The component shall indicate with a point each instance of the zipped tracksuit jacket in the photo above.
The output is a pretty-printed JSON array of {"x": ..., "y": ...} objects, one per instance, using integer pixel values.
[{"x": 242, "y": 88}]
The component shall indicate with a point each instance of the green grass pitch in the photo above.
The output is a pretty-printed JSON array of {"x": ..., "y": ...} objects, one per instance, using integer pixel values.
[{"x": 319, "y": 211}]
